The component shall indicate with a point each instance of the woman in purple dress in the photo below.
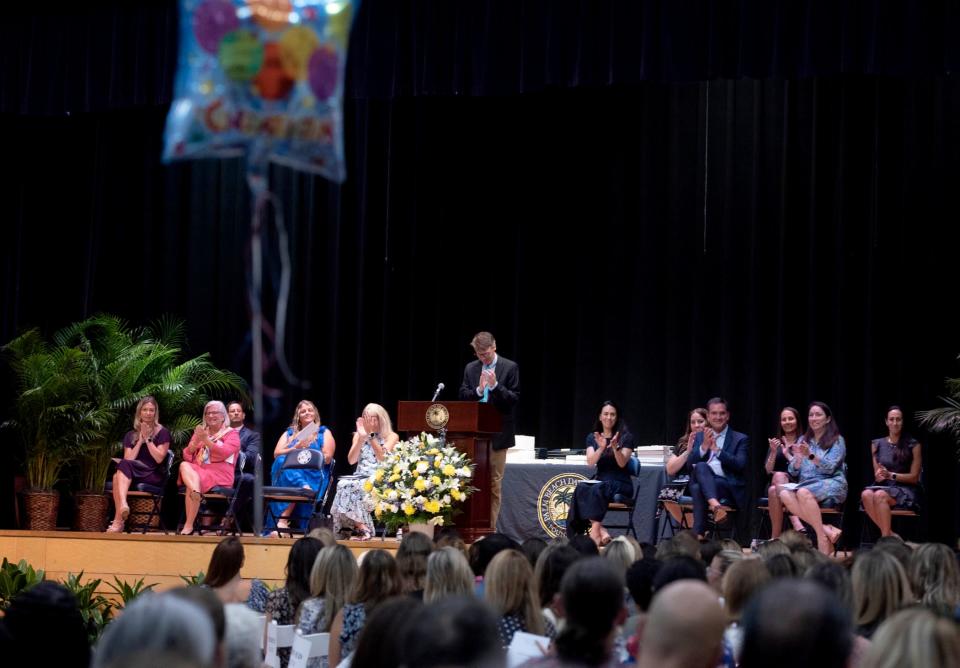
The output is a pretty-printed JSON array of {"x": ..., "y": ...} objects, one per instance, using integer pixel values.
[
  {"x": 896, "y": 468},
  {"x": 144, "y": 453}
]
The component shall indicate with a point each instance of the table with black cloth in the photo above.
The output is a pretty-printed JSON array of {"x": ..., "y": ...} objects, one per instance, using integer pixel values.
[{"x": 528, "y": 487}]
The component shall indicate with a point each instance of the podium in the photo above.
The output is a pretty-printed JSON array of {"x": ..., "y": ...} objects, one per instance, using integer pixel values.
[{"x": 470, "y": 429}]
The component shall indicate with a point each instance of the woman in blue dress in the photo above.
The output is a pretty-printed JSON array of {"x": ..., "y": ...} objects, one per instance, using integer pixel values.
[
  {"x": 609, "y": 448},
  {"x": 818, "y": 465},
  {"x": 373, "y": 440},
  {"x": 314, "y": 479}
]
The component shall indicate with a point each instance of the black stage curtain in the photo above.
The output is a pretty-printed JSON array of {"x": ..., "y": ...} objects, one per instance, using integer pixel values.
[{"x": 652, "y": 240}]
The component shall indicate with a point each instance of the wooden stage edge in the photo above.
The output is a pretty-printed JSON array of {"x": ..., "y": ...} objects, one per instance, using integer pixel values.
[{"x": 156, "y": 557}]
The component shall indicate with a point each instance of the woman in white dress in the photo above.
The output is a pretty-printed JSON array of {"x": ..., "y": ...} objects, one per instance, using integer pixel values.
[{"x": 372, "y": 441}]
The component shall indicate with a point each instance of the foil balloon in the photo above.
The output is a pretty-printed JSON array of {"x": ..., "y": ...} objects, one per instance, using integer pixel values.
[{"x": 261, "y": 77}]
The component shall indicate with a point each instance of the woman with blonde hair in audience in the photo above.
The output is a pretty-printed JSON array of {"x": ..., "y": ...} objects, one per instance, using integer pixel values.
[
  {"x": 719, "y": 565},
  {"x": 880, "y": 588},
  {"x": 510, "y": 589},
  {"x": 378, "y": 580},
  {"x": 448, "y": 574},
  {"x": 914, "y": 638},
  {"x": 621, "y": 553},
  {"x": 742, "y": 580},
  {"x": 412, "y": 556},
  {"x": 332, "y": 577},
  {"x": 935, "y": 577}
]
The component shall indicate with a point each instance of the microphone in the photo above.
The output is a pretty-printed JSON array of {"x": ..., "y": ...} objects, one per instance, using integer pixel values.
[{"x": 440, "y": 386}]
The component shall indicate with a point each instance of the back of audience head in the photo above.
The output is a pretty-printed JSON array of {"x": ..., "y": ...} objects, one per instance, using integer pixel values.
[
  {"x": 551, "y": 567},
  {"x": 531, "y": 549},
  {"x": 834, "y": 578},
  {"x": 157, "y": 623},
  {"x": 412, "y": 560},
  {"x": 683, "y": 628},
  {"x": 621, "y": 553},
  {"x": 741, "y": 582},
  {"x": 509, "y": 588},
  {"x": 684, "y": 543},
  {"x": 880, "y": 588},
  {"x": 455, "y": 631},
  {"x": 299, "y": 566},
  {"x": 708, "y": 550},
  {"x": 782, "y": 566},
  {"x": 718, "y": 566},
  {"x": 592, "y": 599},
  {"x": 448, "y": 574},
  {"x": 681, "y": 567},
  {"x": 730, "y": 544},
  {"x": 450, "y": 537},
  {"x": 47, "y": 611},
  {"x": 935, "y": 577},
  {"x": 241, "y": 642},
  {"x": 794, "y": 540},
  {"x": 914, "y": 638},
  {"x": 332, "y": 578},
  {"x": 384, "y": 639},
  {"x": 894, "y": 545},
  {"x": 647, "y": 550},
  {"x": 640, "y": 578},
  {"x": 584, "y": 545},
  {"x": 771, "y": 547},
  {"x": 225, "y": 562},
  {"x": 484, "y": 550},
  {"x": 377, "y": 579},
  {"x": 210, "y": 603},
  {"x": 324, "y": 535},
  {"x": 793, "y": 623}
]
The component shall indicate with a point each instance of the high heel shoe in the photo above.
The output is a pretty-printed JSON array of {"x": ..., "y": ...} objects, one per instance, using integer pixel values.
[
  {"x": 187, "y": 533},
  {"x": 115, "y": 527},
  {"x": 124, "y": 511}
]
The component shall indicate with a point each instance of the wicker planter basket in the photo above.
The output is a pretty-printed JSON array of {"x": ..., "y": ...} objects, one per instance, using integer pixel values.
[
  {"x": 41, "y": 507},
  {"x": 91, "y": 514},
  {"x": 140, "y": 507}
]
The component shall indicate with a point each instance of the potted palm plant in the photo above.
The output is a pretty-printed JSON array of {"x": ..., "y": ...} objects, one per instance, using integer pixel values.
[
  {"x": 55, "y": 415},
  {"x": 128, "y": 364},
  {"x": 945, "y": 419}
]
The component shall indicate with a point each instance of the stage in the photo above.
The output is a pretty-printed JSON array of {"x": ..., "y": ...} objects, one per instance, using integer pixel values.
[{"x": 158, "y": 558}]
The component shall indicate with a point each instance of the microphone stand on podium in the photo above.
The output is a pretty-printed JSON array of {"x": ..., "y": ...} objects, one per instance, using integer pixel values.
[{"x": 470, "y": 427}]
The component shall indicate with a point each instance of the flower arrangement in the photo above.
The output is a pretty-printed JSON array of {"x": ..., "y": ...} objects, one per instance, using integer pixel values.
[{"x": 421, "y": 481}]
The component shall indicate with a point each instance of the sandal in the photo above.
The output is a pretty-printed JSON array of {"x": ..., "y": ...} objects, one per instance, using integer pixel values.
[
  {"x": 187, "y": 533},
  {"x": 115, "y": 527}
]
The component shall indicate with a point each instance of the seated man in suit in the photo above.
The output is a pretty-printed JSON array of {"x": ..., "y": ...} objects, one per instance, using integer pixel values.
[
  {"x": 494, "y": 379},
  {"x": 717, "y": 465},
  {"x": 240, "y": 511}
]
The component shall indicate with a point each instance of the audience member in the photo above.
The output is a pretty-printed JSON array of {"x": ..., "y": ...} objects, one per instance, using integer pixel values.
[
  {"x": 43, "y": 613},
  {"x": 448, "y": 574},
  {"x": 741, "y": 582},
  {"x": 377, "y": 581},
  {"x": 935, "y": 577},
  {"x": 241, "y": 641},
  {"x": 456, "y": 631},
  {"x": 683, "y": 628},
  {"x": 914, "y": 638},
  {"x": 880, "y": 588},
  {"x": 510, "y": 590},
  {"x": 412, "y": 562}
]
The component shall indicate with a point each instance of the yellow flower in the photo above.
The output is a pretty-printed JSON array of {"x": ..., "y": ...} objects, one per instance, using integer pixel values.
[
  {"x": 395, "y": 477},
  {"x": 408, "y": 509},
  {"x": 367, "y": 486},
  {"x": 378, "y": 512},
  {"x": 378, "y": 475},
  {"x": 397, "y": 469},
  {"x": 449, "y": 470},
  {"x": 432, "y": 506},
  {"x": 456, "y": 493},
  {"x": 433, "y": 451},
  {"x": 436, "y": 480},
  {"x": 420, "y": 484}
]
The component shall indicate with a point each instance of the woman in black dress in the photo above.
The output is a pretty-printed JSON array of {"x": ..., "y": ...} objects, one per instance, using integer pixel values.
[{"x": 610, "y": 449}]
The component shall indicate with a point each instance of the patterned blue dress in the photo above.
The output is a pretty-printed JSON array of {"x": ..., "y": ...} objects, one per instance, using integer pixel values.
[
  {"x": 352, "y": 503},
  {"x": 825, "y": 480},
  {"x": 280, "y": 477}
]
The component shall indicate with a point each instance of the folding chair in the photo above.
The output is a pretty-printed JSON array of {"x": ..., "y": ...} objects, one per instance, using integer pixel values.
[
  {"x": 626, "y": 505},
  {"x": 308, "y": 646},
  {"x": 278, "y": 637},
  {"x": 139, "y": 519},
  {"x": 299, "y": 496},
  {"x": 221, "y": 496}
]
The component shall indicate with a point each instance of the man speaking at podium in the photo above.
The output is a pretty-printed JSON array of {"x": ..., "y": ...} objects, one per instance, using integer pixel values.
[{"x": 493, "y": 379}]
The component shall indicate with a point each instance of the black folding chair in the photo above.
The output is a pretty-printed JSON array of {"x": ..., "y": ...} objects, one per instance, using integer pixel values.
[
  {"x": 139, "y": 519},
  {"x": 299, "y": 496}
]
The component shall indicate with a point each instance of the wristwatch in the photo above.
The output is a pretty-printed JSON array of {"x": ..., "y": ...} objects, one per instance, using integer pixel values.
[{"x": 893, "y": 476}]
